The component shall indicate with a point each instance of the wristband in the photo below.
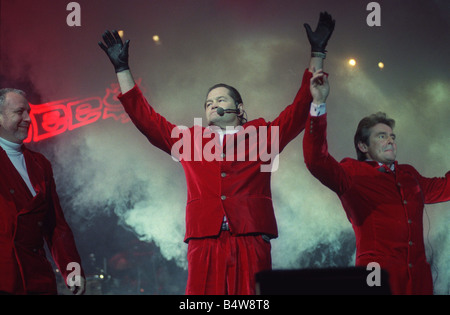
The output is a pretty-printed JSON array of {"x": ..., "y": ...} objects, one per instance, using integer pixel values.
[{"x": 318, "y": 54}]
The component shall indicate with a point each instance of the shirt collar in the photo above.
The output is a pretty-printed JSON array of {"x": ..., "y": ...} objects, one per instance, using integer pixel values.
[
  {"x": 392, "y": 167},
  {"x": 378, "y": 164},
  {"x": 228, "y": 131}
]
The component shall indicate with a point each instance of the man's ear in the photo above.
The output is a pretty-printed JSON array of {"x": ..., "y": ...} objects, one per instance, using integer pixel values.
[
  {"x": 363, "y": 147},
  {"x": 240, "y": 106}
]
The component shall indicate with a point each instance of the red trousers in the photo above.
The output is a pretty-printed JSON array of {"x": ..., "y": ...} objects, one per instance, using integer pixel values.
[{"x": 226, "y": 264}]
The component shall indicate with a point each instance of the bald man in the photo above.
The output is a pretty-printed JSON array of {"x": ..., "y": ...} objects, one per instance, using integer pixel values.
[{"x": 30, "y": 212}]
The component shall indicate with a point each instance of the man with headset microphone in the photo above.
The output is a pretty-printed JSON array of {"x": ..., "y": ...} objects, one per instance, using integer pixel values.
[{"x": 229, "y": 213}]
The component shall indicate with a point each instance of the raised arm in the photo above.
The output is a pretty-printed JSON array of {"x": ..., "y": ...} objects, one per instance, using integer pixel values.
[
  {"x": 319, "y": 162},
  {"x": 150, "y": 123},
  {"x": 319, "y": 86},
  {"x": 292, "y": 120},
  {"x": 319, "y": 40},
  {"x": 117, "y": 52}
]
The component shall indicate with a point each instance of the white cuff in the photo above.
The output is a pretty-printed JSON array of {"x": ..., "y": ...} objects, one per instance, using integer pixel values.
[{"x": 318, "y": 109}]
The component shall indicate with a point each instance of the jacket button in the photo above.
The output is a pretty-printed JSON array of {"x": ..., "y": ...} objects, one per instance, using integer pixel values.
[
  {"x": 405, "y": 202},
  {"x": 223, "y": 197},
  {"x": 11, "y": 191},
  {"x": 223, "y": 174}
]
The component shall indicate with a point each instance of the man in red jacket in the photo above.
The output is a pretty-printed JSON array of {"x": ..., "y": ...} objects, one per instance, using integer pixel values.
[
  {"x": 383, "y": 200},
  {"x": 30, "y": 211},
  {"x": 229, "y": 214}
]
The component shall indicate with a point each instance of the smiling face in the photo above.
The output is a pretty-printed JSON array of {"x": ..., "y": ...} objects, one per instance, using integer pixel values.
[
  {"x": 15, "y": 118},
  {"x": 381, "y": 145}
]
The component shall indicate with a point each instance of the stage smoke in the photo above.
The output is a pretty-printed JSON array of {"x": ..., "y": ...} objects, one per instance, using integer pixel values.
[{"x": 108, "y": 169}]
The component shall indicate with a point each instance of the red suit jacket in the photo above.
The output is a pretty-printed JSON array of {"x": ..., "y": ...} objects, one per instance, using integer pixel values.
[
  {"x": 231, "y": 187},
  {"x": 25, "y": 222},
  {"x": 384, "y": 208}
]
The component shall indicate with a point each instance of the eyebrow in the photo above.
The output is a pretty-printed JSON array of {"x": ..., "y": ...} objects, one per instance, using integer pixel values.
[
  {"x": 216, "y": 98},
  {"x": 384, "y": 133},
  {"x": 21, "y": 108}
]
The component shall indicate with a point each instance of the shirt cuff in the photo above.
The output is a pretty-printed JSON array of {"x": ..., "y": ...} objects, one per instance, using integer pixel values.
[{"x": 318, "y": 109}]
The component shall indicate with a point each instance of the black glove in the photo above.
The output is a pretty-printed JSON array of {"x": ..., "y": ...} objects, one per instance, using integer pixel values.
[
  {"x": 116, "y": 50},
  {"x": 320, "y": 37}
]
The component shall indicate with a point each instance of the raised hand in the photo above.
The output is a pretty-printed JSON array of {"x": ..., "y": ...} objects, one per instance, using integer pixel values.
[
  {"x": 319, "y": 38},
  {"x": 116, "y": 50},
  {"x": 319, "y": 87}
]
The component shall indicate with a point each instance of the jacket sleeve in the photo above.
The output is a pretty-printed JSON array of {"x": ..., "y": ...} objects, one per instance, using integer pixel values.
[
  {"x": 435, "y": 189},
  {"x": 151, "y": 124},
  {"x": 58, "y": 235},
  {"x": 317, "y": 159},
  {"x": 292, "y": 119}
]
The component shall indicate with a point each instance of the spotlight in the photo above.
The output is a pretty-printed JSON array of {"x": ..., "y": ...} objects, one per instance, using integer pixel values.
[
  {"x": 352, "y": 62},
  {"x": 156, "y": 39},
  {"x": 120, "y": 33},
  {"x": 380, "y": 65}
]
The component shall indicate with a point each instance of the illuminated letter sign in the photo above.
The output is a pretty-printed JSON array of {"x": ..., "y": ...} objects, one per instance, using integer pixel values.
[{"x": 54, "y": 118}]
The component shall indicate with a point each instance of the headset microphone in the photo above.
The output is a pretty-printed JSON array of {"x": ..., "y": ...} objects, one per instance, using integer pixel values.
[{"x": 220, "y": 111}]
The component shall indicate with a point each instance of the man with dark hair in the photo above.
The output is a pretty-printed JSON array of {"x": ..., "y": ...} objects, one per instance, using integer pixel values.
[
  {"x": 229, "y": 213},
  {"x": 30, "y": 211},
  {"x": 363, "y": 132},
  {"x": 235, "y": 95},
  {"x": 383, "y": 200}
]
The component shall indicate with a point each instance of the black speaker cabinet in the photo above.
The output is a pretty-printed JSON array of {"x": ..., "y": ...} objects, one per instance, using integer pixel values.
[{"x": 330, "y": 281}]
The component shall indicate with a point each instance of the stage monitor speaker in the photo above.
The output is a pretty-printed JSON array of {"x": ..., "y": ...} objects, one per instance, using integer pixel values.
[{"x": 330, "y": 281}]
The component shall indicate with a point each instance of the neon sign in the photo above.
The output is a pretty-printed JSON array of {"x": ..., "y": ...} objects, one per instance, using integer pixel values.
[{"x": 54, "y": 118}]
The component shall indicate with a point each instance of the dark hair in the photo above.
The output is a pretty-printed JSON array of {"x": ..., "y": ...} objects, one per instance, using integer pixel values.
[
  {"x": 235, "y": 95},
  {"x": 363, "y": 131}
]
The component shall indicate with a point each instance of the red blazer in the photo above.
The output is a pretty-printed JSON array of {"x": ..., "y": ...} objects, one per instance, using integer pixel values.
[
  {"x": 384, "y": 208},
  {"x": 232, "y": 187},
  {"x": 25, "y": 222}
]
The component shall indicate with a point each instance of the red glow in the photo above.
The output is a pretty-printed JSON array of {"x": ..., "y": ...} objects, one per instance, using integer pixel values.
[{"x": 54, "y": 118}]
